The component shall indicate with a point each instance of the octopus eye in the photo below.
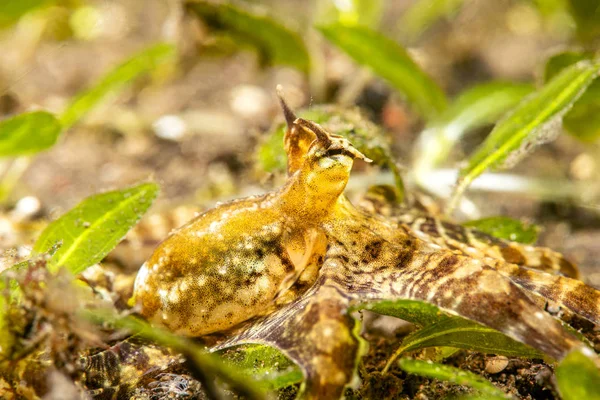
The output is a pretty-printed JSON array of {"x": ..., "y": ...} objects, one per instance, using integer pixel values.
[
  {"x": 338, "y": 151},
  {"x": 332, "y": 144}
]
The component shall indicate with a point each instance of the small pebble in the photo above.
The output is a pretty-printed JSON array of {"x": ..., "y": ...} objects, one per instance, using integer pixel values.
[
  {"x": 496, "y": 364},
  {"x": 26, "y": 208}
]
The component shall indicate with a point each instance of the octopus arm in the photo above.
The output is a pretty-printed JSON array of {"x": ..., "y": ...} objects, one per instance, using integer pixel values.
[
  {"x": 572, "y": 294},
  {"x": 462, "y": 286},
  {"x": 475, "y": 243},
  {"x": 316, "y": 332}
]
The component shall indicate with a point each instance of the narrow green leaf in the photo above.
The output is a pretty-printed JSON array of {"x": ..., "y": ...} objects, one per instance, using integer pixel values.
[
  {"x": 417, "y": 312},
  {"x": 266, "y": 365},
  {"x": 366, "y": 136},
  {"x": 442, "y": 330},
  {"x": 452, "y": 374},
  {"x": 583, "y": 119},
  {"x": 556, "y": 63},
  {"x": 464, "y": 334},
  {"x": 116, "y": 80},
  {"x": 586, "y": 14},
  {"x": 275, "y": 43},
  {"x": 94, "y": 227},
  {"x": 390, "y": 61},
  {"x": 578, "y": 377},
  {"x": 475, "y": 107},
  {"x": 424, "y": 13},
  {"x": 506, "y": 228},
  {"x": 208, "y": 363},
  {"x": 12, "y": 10},
  {"x": 28, "y": 133},
  {"x": 531, "y": 123}
]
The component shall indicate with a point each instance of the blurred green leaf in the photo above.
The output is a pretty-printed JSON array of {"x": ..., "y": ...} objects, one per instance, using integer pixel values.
[
  {"x": 275, "y": 43},
  {"x": 361, "y": 12},
  {"x": 475, "y": 107},
  {"x": 28, "y": 133},
  {"x": 264, "y": 364},
  {"x": 506, "y": 228},
  {"x": 209, "y": 364},
  {"x": 354, "y": 12},
  {"x": 6, "y": 339},
  {"x": 12, "y": 10},
  {"x": 94, "y": 227},
  {"x": 270, "y": 154},
  {"x": 142, "y": 62},
  {"x": 556, "y": 63},
  {"x": 424, "y": 13},
  {"x": 350, "y": 123},
  {"x": 417, "y": 312},
  {"x": 533, "y": 122},
  {"x": 578, "y": 377},
  {"x": 390, "y": 61},
  {"x": 465, "y": 334},
  {"x": 587, "y": 18},
  {"x": 10, "y": 293},
  {"x": 583, "y": 119},
  {"x": 452, "y": 374}
]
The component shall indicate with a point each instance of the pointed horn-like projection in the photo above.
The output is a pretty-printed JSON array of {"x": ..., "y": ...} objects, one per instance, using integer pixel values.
[
  {"x": 322, "y": 135},
  {"x": 289, "y": 115}
]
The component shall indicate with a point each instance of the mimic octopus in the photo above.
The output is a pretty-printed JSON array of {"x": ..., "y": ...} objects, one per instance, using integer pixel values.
[{"x": 284, "y": 269}]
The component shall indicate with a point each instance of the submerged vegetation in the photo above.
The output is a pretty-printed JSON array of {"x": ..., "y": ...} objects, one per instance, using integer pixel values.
[{"x": 66, "y": 319}]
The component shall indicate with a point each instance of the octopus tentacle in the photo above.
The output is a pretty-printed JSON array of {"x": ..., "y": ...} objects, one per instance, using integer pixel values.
[
  {"x": 575, "y": 295},
  {"x": 474, "y": 243},
  {"x": 314, "y": 331},
  {"x": 466, "y": 287},
  {"x": 385, "y": 265},
  {"x": 468, "y": 241}
]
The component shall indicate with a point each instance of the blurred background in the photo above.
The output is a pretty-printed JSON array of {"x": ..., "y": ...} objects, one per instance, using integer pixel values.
[{"x": 199, "y": 121}]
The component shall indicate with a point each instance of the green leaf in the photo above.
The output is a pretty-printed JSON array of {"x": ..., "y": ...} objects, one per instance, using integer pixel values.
[
  {"x": 452, "y": 374},
  {"x": 439, "y": 329},
  {"x": 583, "y": 119},
  {"x": 390, "y": 61},
  {"x": 506, "y": 228},
  {"x": 10, "y": 293},
  {"x": 6, "y": 339},
  {"x": 209, "y": 364},
  {"x": 28, "y": 133},
  {"x": 531, "y": 123},
  {"x": 556, "y": 63},
  {"x": 275, "y": 43},
  {"x": 465, "y": 334},
  {"x": 12, "y": 10},
  {"x": 424, "y": 13},
  {"x": 578, "y": 377},
  {"x": 264, "y": 364},
  {"x": 417, "y": 312},
  {"x": 94, "y": 227},
  {"x": 586, "y": 14},
  {"x": 270, "y": 154},
  {"x": 142, "y": 62},
  {"x": 367, "y": 137},
  {"x": 475, "y": 107}
]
